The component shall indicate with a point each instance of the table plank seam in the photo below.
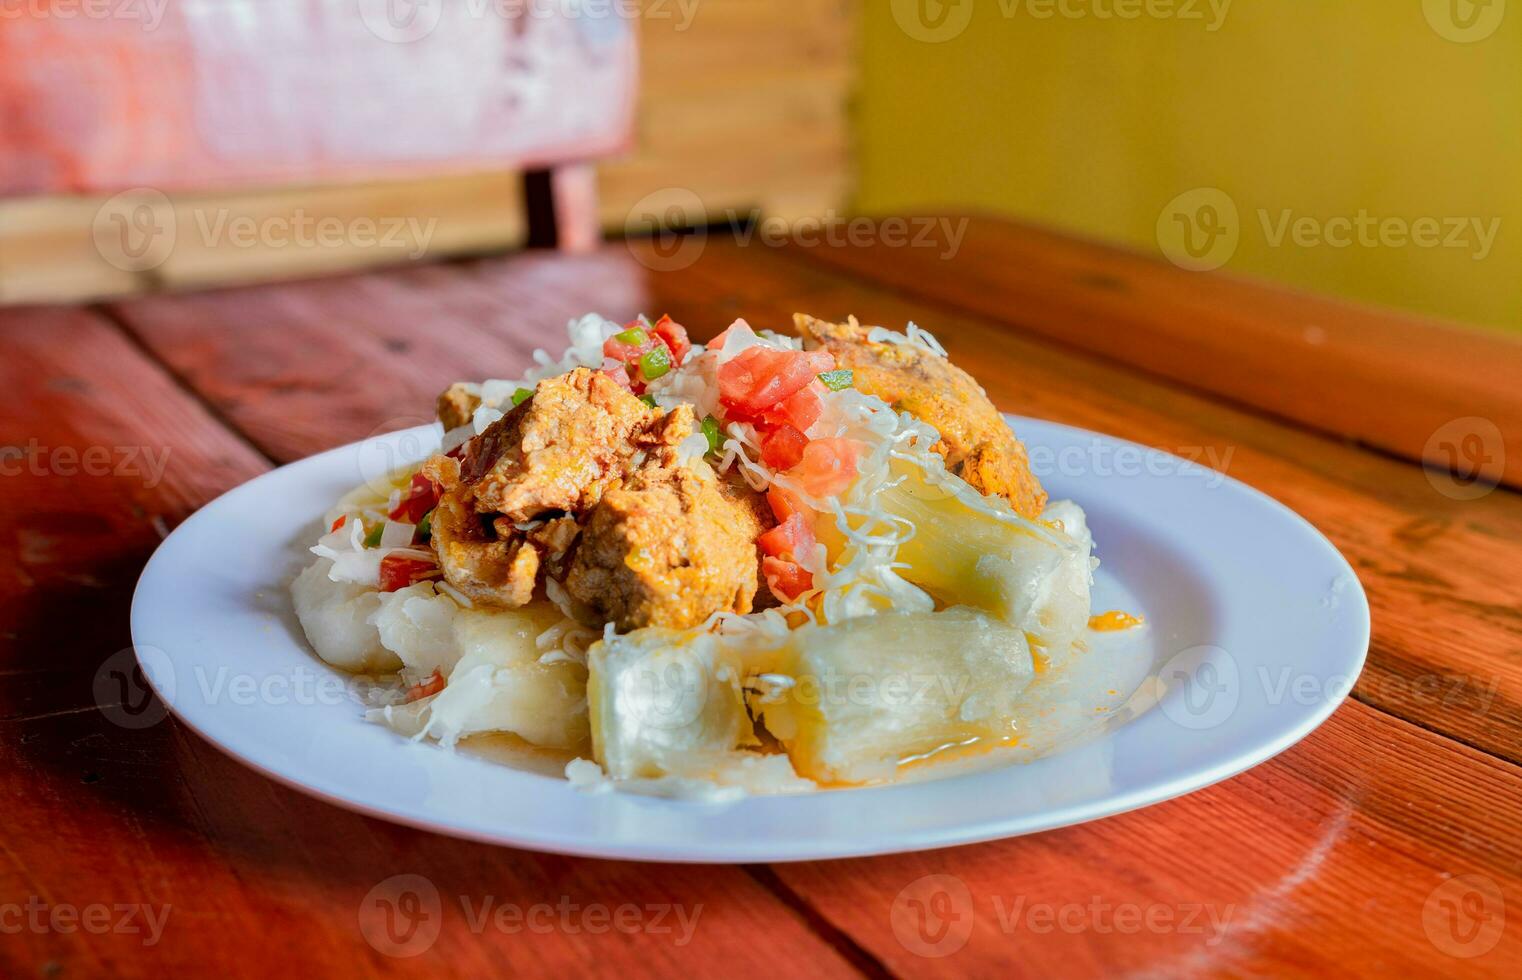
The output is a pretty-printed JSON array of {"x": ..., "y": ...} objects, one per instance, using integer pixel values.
[
  {"x": 210, "y": 407},
  {"x": 819, "y": 923}
]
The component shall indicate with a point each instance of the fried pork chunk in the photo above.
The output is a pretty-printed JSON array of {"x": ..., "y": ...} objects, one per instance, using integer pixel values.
[
  {"x": 456, "y": 405},
  {"x": 669, "y": 547},
  {"x": 975, "y": 441},
  {"x": 550, "y": 458}
]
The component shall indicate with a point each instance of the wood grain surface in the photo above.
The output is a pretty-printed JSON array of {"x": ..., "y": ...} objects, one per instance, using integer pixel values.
[{"x": 1386, "y": 842}]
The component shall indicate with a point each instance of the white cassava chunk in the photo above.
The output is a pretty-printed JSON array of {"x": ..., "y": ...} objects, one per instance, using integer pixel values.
[
  {"x": 336, "y": 619},
  {"x": 496, "y": 683},
  {"x": 853, "y": 700},
  {"x": 663, "y": 701},
  {"x": 418, "y": 625},
  {"x": 1031, "y": 575}
]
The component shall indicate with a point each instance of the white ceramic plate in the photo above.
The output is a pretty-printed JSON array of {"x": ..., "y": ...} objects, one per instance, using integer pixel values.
[{"x": 1257, "y": 630}]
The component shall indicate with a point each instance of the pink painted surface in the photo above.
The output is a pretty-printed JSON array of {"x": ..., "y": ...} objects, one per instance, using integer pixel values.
[{"x": 202, "y": 93}]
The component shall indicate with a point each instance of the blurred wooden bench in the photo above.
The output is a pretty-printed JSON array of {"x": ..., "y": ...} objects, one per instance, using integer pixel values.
[{"x": 201, "y": 159}]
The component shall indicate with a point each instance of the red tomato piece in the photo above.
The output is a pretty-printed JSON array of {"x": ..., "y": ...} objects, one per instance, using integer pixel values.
[
  {"x": 782, "y": 447},
  {"x": 787, "y": 579},
  {"x": 785, "y": 503},
  {"x": 739, "y": 326},
  {"x": 616, "y": 370},
  {"x": 828, "y": 466},
  {"x": 432, "y": 685},
  {"x": 338, "y": 523},
  {"x": 418, "y": 499},
  {"x": 758, "y": 378},
  {"x": 628, "y": 353},
  {"x": 800, "y": 410},
  {"x": 674, "y": 336},
  {"x": 398, "y": 571},
  {"x": 792, "y": 539}
]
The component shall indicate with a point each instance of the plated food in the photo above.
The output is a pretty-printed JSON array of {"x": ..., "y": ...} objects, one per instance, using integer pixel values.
[{"x": 771, "y": 563}]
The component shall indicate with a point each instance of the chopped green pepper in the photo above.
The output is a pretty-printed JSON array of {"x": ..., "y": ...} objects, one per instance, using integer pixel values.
[
  {"x": 425, "y": 527},
  {"x": 837, "y": 379},
  {"x": 648, "y": 400},
  {"x": 655, "y": 363},
  {"x": 711, "y": 431},
  {"x": 373, "y": 539},
  {"x": 522, "y": 395},
  {"x": 634, "y": 337}
]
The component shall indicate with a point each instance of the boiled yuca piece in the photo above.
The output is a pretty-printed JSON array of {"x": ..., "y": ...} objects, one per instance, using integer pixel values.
[
  {"x": 336, "y": 619},
  {"x": 1032, "y": 575},
  {"x": 495, "y": 679},
  {"x": 664, "y": 702},
  {"x": 854, "y": 699}
]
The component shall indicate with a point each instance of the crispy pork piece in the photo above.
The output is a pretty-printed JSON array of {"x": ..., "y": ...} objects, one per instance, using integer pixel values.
[
  {"x": 485, "y": 559},
  {"x": 457, "y": 405},
  {"x": 560, "y": 449},
  {"x": 669, "y": 547},
  {"x": 975, "y": 441},
  {"x": 552, "y": 457}
]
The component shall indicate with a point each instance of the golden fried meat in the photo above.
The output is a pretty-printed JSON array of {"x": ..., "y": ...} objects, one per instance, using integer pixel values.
[
  {"x": 457, "y": 404},
  {"x": 669, "y": 547},
  {"x": 975, "y": 441},
  {"x": 560, "y": 449},
  {"x": 549, "y": 460}
]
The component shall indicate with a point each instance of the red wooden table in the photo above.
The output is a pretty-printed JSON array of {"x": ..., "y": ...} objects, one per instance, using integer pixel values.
[{"x": 1390, "y": 840}]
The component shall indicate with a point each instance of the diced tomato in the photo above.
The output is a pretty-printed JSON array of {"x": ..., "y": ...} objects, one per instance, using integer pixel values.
[
  {"x": 399, "y": 571},
  {"x": 674, "y": 336},
  {"x": 338, "y": 523},
  {"x": 616, "y": 370},
  {"x": 782, "y": 447},
  {"x": 792, "y": 539},
  {"x": 758, "y": 378},
  {"x": 430, "y": 686},
  {"x": 800, "y": 409},
  {"x": 785, "y": 503},
  {"x": 419, "y": 498},
  {"x": 623, "y": 352},
  {"x": 739, "y": 326},
  {"x": 828, "y": 466},
  {"x": 787, "y": 579}
]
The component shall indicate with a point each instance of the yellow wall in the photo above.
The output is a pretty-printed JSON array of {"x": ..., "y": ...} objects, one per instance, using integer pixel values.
[{"x": 1324, "y": 108}]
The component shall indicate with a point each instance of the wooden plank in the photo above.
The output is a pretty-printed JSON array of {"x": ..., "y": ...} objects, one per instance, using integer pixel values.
[
  {"x": 69, "y": 248},
  {"x": 1409, "y": 385},
  {"x": 245, "y": 877},
  {"x": 1332, "y": 861},
  {"x": 1446, "y": 629},
  {"x": 1349, "y": 834}
]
